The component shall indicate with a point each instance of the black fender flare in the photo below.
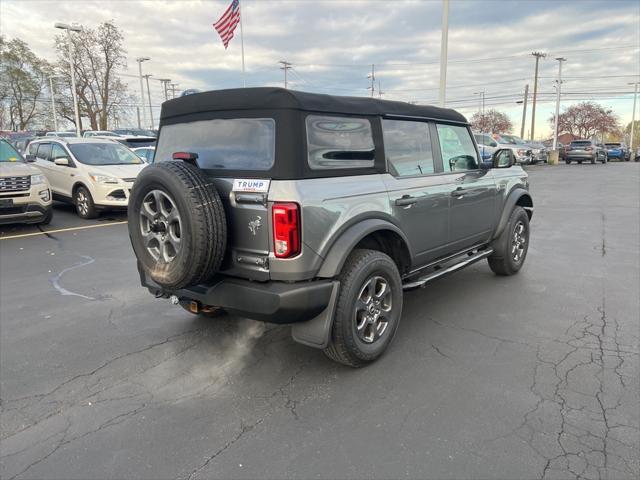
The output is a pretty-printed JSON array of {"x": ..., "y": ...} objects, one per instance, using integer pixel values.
[
  {"x": 349, "y": 238},
  {"x": 512, "y": 200}
]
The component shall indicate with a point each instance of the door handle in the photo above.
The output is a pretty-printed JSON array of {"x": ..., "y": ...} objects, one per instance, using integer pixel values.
[
  {"x": 458, "y": 192},
  {"x": 406, "y": 201}
]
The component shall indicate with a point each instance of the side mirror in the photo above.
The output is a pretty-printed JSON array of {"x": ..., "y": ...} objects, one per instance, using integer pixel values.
[
  {"x": 503, "y": 158},
  {"x": 62, "y": 161},
  {"x": 30, "y": 158}
]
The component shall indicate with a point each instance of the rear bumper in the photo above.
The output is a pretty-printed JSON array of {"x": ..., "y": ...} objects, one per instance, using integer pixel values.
[{"x": 274, "y": 302}]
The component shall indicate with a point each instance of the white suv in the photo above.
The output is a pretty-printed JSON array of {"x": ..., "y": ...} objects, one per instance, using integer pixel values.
[{"x": 94, "y": 174}]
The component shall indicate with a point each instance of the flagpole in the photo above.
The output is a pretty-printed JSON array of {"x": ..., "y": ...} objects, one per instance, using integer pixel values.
[{"x": 244, "y": 82}]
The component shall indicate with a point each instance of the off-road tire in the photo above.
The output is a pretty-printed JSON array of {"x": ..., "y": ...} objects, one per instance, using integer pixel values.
[
  {"x": 501, "y": 261},
  {"x": 344, "y": 345},
  {"x": 82, "y": 195},
  {"x": 203, "y": 226}
]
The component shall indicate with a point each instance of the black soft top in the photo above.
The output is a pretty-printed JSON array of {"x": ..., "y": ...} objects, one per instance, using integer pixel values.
[{"x": 274, "y": 98}]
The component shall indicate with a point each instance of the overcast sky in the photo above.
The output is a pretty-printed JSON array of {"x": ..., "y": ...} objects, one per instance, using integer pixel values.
[{"x": 332, "y": 45}]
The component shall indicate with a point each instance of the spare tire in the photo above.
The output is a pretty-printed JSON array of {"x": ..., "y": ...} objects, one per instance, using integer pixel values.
[{"x": 177, "y": 224}]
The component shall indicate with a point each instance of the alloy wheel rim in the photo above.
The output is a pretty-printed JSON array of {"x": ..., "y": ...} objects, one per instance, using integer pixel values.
[
  {"x": 373, "y": 308},
  {"x": 161, "y": 226},
  {"x": 518, "y": 242},
  {"x": 83, "y": 203}
]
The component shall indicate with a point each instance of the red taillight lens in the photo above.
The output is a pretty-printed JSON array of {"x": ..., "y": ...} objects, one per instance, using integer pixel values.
[{"x": 286, "y": 230}]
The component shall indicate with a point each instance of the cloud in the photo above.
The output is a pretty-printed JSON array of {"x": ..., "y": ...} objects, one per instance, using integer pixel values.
[{"x": 333, "y": 43}]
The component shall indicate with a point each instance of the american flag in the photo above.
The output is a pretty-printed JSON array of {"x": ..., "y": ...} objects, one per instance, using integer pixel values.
[{"x": 228, "y": 22}]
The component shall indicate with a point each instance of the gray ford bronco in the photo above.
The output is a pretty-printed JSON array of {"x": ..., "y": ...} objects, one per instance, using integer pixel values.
[{"x": 318, "y": 211}]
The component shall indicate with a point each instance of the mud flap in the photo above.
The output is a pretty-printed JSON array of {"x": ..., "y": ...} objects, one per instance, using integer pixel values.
[{"x": 315, "y": 332}]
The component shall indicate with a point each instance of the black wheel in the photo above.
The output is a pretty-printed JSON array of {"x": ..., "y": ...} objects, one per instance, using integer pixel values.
[
  {"x": 604, "y": 158},
  {"x": 84, "y": 203},
  {"x": 593, "y": 160},
  {"x": 510, "y": 249},
  {"x": 567, "y": 161},
  {"x": 579, "y": 162},
  {"x": 177, "y": 224},
  {"x": 46, "y": 220},
  {"x": 368, "y": 310}
]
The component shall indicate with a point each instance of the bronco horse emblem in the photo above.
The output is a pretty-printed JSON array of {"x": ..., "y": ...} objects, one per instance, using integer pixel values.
[{"x": 254, "y": 225}]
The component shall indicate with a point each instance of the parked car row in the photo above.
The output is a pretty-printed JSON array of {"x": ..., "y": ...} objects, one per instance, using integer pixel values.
[{"x": 525, "y": 152}]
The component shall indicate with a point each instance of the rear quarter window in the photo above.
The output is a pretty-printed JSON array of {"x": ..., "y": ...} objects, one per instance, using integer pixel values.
[{"x": 339, "y": 142}]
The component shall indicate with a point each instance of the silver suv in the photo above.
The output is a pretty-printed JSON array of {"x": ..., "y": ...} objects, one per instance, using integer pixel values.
[{"x": 318, "y": 211}]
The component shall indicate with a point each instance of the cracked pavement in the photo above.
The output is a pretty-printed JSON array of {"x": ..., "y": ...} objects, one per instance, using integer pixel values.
[{"x": 532, "y": 376}]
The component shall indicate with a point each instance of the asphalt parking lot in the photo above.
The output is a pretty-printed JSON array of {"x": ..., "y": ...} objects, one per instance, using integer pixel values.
[{"x": 533, "y": 376}]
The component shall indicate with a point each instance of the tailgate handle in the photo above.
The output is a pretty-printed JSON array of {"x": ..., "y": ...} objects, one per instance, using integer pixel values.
[{"x": 255, "y": 198}]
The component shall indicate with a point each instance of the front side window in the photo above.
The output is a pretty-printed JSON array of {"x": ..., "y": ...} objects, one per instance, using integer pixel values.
[
  {"x": 407, "y": 146},
  {"x": 457, "y": 148},
  {"x": 226, "y": 144},
  {"x": 339, "y": 142},
  {"x": 103, "y": 154},
  {"x": 33, "y": 148},
  {"x": 58, "y": 152}
]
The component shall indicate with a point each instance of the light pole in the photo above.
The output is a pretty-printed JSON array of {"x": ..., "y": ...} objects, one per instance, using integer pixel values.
[
  {"x": 144, "y": 115},
  {"x": 559, "y": 87},
  {"x": 524, "y": 109},
  {"x": 149, "y": 97},
  {"x": 69, "y": 29},
  {"x": 633, "y": 118},
  {"x": 53, "y": 103},
  {"x": 444, "y": 40},
  {"x": 538, "y": 55}
]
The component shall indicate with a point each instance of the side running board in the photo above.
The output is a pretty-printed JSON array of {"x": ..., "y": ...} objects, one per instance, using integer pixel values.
[{"x": 440, "y": 270}]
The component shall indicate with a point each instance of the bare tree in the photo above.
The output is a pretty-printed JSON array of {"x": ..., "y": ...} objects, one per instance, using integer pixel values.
[
  {"x": 23, "y": 83},
  {"x": 98, "y": 53},
  {"x": 491, "y": 121},
  {"x": 586, "y": 119}
]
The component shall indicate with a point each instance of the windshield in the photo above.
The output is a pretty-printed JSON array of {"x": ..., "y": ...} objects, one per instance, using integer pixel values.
[
  {"x": 238, "y": 143},
  {"x": 104, "y": 154},
  {"x": 8, "y": 153},
  {"x": 613, "y": 145},
  {"x": 62, "y": 134},
  {"x": 580, "y": 144}
]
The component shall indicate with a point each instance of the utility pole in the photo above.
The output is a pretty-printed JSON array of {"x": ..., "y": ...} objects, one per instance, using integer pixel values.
[
  {"x": 138, "y": 113},
  {"x": 173, "y": 89},
  {"x": 285, "y": 66},
  {"x": 538, "y": 55},
  {"x": 633, "y": 119},
  {"x": 380, "y": 92},
  {"x": 559, "y": 87},
  {"x": 144, "y": 115},
  {"x": 53, "y": 104},
  {"x": 372, "y": 77},
  {"x": 149, "y": 97},
  {"x": 481, "y": 108},
  {"x": 165, "y": 82},
  {"x": 524, "y": 109},
  {"x": 444, "y": 40}
]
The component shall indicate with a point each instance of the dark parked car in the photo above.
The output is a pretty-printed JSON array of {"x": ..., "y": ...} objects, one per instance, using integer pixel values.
[
  {"x": 617, "y": 150},
  {"x": 318, "y": 211},
  {"x": 586, "y": 151}
]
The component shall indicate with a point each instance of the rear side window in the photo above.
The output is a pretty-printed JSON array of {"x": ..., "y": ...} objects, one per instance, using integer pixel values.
[
  {"x": 407, "y": 146},
  {"x": 457, "y": 148},
  {"x": 233, "y": 144},
  {"x": 339, "y": 142},
  {"x": 580, "y": 144},
  {"x": 44, "y": 151}
]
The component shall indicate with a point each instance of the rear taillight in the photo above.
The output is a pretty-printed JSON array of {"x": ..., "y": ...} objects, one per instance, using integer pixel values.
[{"x": 286, "y": 230}]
